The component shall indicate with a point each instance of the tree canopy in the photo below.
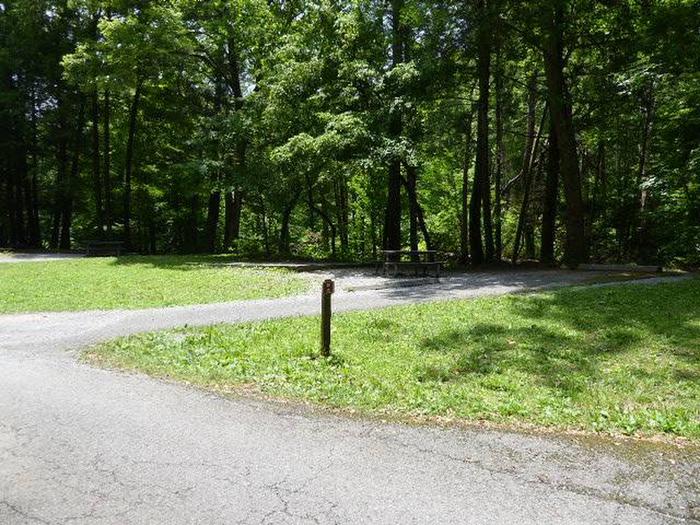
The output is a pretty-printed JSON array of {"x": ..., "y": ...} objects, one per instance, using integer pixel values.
[{"x": 562, "y": 130}]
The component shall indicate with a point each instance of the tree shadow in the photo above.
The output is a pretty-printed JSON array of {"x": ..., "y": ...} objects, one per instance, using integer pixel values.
[
  {"x": 565, "y": 339},
  {"x": 176, "y": 262},
  {"x": 618, "y": 315}
]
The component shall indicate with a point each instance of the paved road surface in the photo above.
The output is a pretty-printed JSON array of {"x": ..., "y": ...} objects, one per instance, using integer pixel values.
[
  {"x": 36, "y": 257},
  {"x": 82, "y": 445}
]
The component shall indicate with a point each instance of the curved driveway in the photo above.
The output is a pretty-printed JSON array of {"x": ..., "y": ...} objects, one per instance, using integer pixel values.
[{"x": 83, "y": 445}]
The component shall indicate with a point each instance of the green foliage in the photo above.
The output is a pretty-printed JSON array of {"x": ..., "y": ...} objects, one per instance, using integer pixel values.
[{"x": 298, "y": 108}]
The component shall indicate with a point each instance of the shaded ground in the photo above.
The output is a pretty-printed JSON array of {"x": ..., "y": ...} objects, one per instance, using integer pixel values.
[{"x": 83, "y": 445}]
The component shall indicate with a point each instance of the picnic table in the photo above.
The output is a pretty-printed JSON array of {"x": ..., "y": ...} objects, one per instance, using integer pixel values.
[
  {"x": 415, "y": 261},
  {"x": 95, "y": 248}
]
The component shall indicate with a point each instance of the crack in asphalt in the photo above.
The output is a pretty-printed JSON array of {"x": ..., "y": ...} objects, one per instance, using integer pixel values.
[{"x": 542, "y": 480}]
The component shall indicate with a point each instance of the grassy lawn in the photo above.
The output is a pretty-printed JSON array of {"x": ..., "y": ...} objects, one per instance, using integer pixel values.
[
  {"x": 623, "y": 359},
  {"x": 136, "y": 282}
]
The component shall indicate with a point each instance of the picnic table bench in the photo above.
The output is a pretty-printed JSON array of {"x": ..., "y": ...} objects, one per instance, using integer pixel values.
[
  {"x": 95, "y": 248},
  {"x": 418, "y": 262}
]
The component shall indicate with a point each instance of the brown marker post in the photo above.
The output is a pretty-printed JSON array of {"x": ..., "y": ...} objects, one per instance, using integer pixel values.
[{"x": 327, "y": 291}]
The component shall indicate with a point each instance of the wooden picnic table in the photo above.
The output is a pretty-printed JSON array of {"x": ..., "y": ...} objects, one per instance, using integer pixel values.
[{"x": 419, "y": 261}]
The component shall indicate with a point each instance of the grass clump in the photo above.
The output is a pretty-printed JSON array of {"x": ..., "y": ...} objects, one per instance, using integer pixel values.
[
  {"x": 622, "y": 359},
  {"x": 136, "y": 282}
]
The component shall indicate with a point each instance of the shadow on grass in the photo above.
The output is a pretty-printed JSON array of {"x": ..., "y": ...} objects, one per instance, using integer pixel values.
[
  {"x": 176, "y": 262},
  {"x": 564, "y": 339}
]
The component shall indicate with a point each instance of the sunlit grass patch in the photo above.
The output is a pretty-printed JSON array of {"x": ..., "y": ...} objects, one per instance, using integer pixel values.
[
  {"x": 136, "y": 282},
  {"x": 622, "y": 359}
]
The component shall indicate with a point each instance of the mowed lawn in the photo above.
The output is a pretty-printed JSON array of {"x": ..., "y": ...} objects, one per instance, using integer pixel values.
[
  {"x": 621, "y": 359},
  {"x": 136, "y": 282}
]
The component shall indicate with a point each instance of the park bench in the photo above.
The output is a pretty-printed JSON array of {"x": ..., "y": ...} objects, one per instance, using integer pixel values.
[
  {"x": 97, "y": 248},
  {"x": 416, "y": 262}
]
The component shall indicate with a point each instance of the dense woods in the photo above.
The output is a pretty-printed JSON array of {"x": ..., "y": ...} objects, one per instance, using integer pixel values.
[{"x": 561, "y": 130}]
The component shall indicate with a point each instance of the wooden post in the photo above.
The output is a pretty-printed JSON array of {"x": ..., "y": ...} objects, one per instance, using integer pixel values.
[{"x": 327, "y": 291}]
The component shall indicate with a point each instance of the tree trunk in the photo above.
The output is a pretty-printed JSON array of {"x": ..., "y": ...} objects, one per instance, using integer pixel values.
[
  {"x": 392, "y": 222},
  {"x": 108, "y": 164},
  {"x": 574, "y": 245},
  {"x": 129, "y": 161},
  {"x": 341, "y": 207},
  {"x": 528, "y": 156},
  {"x": 284, "y": 239},
  {"x": 213, "y": 211},
  {"x": 233, "y": 202},
  {"x": 551, "y": 198},
  {"x": 67, "y": 213},
  {"x": 644, "y": 247},
  {"x": 483, "y": 152},
  {"x": 96, "y": 174},
  {"x": 19, "y": 231},
  {"x": 18, "y": 225},
  {"x": 61, "y": 176},
  {"x": 464, "y": 222},
  {"x": 29, "y": 180},
  {"x": 500, "y": 151},
  {"x": 481, "y": 194},
  {"x": 411, "y": 183},
  {"x": 32, "y": 185},
  {"x": 191, "y": 243}
]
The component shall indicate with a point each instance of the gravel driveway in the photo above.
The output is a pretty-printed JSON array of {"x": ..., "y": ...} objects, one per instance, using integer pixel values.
[{"x": 83, "y": 445}]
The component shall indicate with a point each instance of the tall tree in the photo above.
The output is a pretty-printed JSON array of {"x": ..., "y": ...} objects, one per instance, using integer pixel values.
[
  {"x": 559, "y": 98},
  {"x": 392, "y": 221},
  {"x": 481, "y": 192}
]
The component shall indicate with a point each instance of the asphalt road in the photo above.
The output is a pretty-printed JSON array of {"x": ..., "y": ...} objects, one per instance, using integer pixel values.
[{"x": 83, "y": 445}]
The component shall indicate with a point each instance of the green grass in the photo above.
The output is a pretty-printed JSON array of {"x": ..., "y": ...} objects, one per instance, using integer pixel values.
[
  {"x": 136, "y": 282},
  {"x": 622, "y": 359}
]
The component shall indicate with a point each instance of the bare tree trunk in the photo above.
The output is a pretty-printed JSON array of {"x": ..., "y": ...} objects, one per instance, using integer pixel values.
[
  {"x": 32, "y": 185},
  {"x": 559, "y": 102},
  {"x": 67, "y": 212},
  {"x": 61, "y": 176},
  {"x": 410, "y": 183},
  {"x": 528, "y": 156},
  {"x": 329, "y": 227},
  {"x": 416, "y": 209},
  {"x": 233, "y": 222},
  {"x": 500, "y": 151},
  {"x": 19, "y": 231},
  {"x": 96, "y": 173},
  {"x": 551, "y": 198},
  {"x": 17, "y": 224},
  {"x": 464, "y": 222},
  {"x": 643, "y": 245},
  {"x": 25, "y": 205},
  {"x": 392, "y": 221},
  {"x": 213, "y": 211},
  {"x": 481, "y": 194},
  {"x": 107, "y": 166},
  {"x": 129, "y": 161},
  {"x": 233, "y": 202},
  {"x": 192, "y": 225},
  {"x": 284, "y": 239},
  {"x": 342, "y": 213}
]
